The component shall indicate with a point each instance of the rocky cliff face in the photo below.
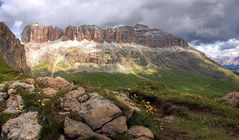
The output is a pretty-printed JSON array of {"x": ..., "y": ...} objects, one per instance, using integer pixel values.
[
  {"x": 39, "y": 33},
  {"x": 137, "y": 34},
  {"x": 11, "y": 50}
]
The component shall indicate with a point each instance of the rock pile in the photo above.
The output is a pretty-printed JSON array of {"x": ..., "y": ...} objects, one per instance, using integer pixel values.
[{"x": 95, "y": 116}]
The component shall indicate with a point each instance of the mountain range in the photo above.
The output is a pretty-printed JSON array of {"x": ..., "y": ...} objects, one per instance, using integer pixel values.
[{"x": 126, "y": 49}]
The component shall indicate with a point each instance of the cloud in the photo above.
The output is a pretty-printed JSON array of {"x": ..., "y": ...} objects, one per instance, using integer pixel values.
[
  {"x": 218, "y": 49},
  {"x": 203, "y": 20}
]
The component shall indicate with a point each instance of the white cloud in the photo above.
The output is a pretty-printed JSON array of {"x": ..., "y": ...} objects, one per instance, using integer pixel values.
[{"x": 218, "y": 49}]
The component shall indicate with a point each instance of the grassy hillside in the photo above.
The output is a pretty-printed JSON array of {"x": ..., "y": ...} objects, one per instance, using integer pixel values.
[
  {"x": 174, "y": 80},
  {"x": 193, "y": 101},
  {"x": 7, "y": 73}
]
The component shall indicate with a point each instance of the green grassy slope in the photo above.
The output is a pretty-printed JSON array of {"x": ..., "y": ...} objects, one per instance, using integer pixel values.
[
  {"x": 7, "y": 73},
  {"x": 174, "y": 80}
]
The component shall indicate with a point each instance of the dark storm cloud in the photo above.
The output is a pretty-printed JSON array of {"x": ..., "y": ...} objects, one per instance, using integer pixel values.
[{"x": 203, "y": 20}]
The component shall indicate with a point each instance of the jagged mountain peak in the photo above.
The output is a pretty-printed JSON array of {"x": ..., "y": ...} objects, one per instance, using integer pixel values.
[{"x": 136, "y": 34}]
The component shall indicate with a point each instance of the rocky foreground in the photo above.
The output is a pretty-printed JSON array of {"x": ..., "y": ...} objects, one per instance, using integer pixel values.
[{"x": 94, "y": 116}]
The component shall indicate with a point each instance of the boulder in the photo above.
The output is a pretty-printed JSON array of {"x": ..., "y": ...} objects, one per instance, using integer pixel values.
[
  {"x": 140, "y": 133},
  {"x": 70, "y": 100},
  {"x": 49, "y": 91},
  {"x": 75, "y": 129},
  {"x": 232, "y": 98},
  {"x": 11, "y": 91},
  {"x": 2, "y": 96},
  {"x": 93, "y": 108},
  {"x": 24, "y": 127},
  {"x": 14, "y": 104},
  {"x": 62, "y": 137},
  {"x": 30, "y": 81},
  {"x": 57, "y": 83},
  {"x": 116, "y": 126},
  {"x": 97, "y": 111},
  {"x": 20, "y": 85}
]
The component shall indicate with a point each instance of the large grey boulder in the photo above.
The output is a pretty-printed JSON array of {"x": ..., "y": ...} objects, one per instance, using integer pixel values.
[
  {"x": 116, "y": 126},
  {"x": 96, "y": 111},
  {"x": 24, "y": 127},
  {"x": 75, "y": 129}
]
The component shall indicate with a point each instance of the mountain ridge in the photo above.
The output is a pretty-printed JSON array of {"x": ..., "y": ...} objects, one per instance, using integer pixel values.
[{"x": 138, "y": 34}]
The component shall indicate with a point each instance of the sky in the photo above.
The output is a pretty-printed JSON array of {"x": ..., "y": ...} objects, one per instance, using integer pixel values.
[{"x": 212, "y": 26}]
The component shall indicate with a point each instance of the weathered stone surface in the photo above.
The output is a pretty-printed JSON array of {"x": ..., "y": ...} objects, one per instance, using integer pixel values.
[
  {"x": 57, "y": 83},
  {"x": 23, "y": 86},
  {"x": 62, "y": 137},
  {"x": 70, "y": 100},
  {"x": 74, "y": 128},
  {"x": 96, "y": 111},
  {"x": 83, "y": 98},
  {"x": 232, "y": 98},
  {"x": 118, "y": 125},
  {"x": 14, "y": 104},
  {"x": 11, "y": 91},
  {"x": 30, "y": 81},
  {"x": 71, "y": 32},
  {"x": 54, "y": 33},
  {"x": 24, "y": 127},
  {"x": 140, "y": 133},
  {"x": 139, "y": 34},
  {"x": 40, "y": 33},
  {"x": 49, "y": 91},
  {"x": 11, "y": 50}
]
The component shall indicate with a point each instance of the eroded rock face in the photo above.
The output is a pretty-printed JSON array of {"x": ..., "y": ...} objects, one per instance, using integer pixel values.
[
  {"x": 139, "y": 34},
  {"x": 11, "y": 50},
  {"x": 40, "y": 33},
  {"x": 24, "y": 127}
]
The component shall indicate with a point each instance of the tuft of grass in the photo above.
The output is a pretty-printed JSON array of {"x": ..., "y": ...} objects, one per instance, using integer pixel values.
[
  {"x": 145, "y": 119},
  {"x": 4, "y": 117},
  {"x": 51, "y": 130}
]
